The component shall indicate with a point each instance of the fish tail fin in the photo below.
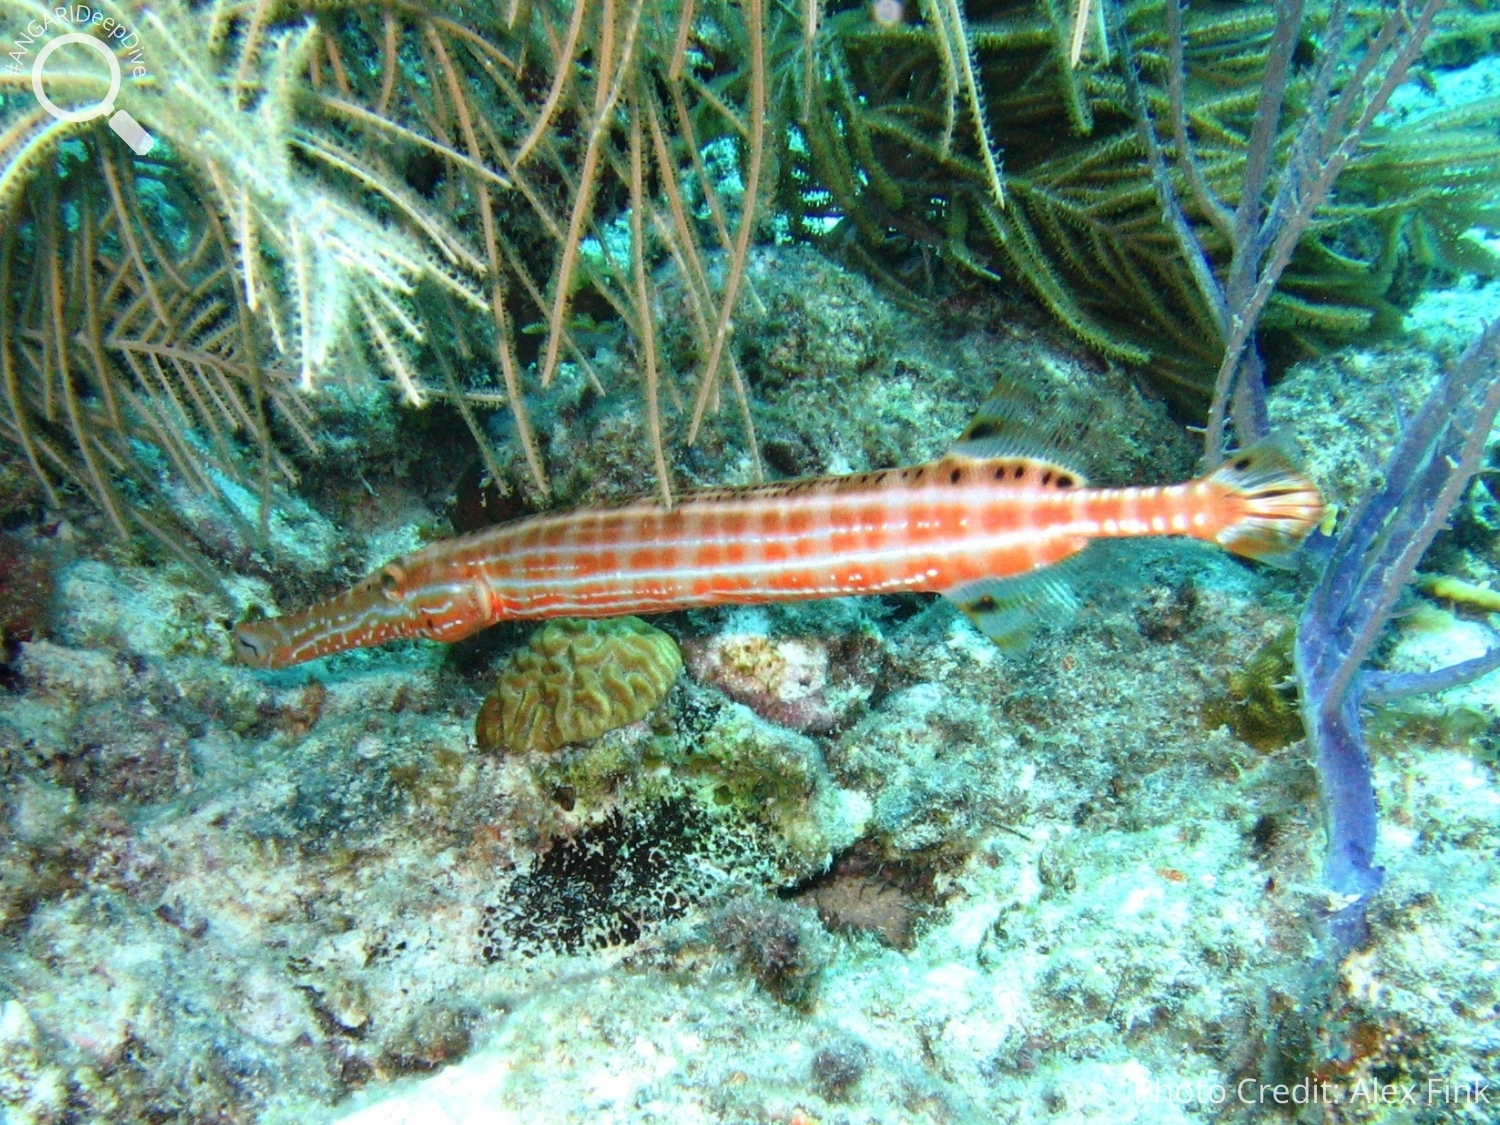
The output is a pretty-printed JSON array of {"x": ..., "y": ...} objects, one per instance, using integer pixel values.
[{"x": 1277, "y": 504}]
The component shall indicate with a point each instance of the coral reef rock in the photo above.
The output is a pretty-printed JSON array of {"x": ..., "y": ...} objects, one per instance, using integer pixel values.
[{"x": 798, "y": 682}]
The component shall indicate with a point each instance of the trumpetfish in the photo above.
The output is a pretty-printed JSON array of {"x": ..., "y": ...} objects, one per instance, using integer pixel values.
[{"x": 986, "y": 525}]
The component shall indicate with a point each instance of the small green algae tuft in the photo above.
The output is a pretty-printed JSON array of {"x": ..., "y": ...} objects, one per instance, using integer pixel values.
[{"x": 1260, "y": 702}]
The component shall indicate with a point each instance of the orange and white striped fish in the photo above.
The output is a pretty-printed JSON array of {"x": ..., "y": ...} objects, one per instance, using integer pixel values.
[{"x": 985, "y": 525}]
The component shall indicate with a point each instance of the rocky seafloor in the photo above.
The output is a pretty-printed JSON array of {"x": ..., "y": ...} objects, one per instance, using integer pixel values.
[{"x": 858, "y": 866}]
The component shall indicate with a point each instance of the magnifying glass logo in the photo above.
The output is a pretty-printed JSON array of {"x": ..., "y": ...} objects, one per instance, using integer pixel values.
[{"x": 128, "y": 128}]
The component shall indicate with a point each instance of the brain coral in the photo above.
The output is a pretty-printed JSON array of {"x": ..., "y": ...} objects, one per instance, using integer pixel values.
[{"x": 575, "y": 680}]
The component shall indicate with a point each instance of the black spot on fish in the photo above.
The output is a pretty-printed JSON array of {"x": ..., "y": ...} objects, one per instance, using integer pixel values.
[
  {"x": 1241, "y": 464},
  {"x": 955, "y": 476},
  {"x": 981, "y": 430},
  {"x": 1064, "y": 481},
  {"x": 1047, "y": 477},
  {"x": 1020, "y": 471},
  {"x": 985, "y": 604}
]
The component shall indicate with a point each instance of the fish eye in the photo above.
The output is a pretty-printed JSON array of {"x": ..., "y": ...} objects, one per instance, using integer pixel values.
[{"x": 390, "y": 582}]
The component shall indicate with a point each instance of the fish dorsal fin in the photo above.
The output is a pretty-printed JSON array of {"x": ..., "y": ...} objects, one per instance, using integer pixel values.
[
  {"x": 1016, "y": 421},
  {"x": 1009, "y": 611}
]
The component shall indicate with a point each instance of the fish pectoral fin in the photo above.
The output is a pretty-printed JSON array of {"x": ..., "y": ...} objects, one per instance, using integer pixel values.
[{"x": 1009, "y": 611}]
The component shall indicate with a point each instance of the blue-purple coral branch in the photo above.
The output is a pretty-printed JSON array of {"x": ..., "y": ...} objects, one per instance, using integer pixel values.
[
  {"x": 1382, "y": 687},
  {"x": 1369, "y": 565}
]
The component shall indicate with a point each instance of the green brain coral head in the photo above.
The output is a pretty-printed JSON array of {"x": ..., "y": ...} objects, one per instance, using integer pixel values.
[{"x": 574, "y": 680}]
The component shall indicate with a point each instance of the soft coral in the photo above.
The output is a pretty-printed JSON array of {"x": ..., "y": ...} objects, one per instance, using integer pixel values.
[{"x": 1368, "y": 566}]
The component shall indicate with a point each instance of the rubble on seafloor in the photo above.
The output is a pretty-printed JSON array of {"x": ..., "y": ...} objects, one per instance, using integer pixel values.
[{"x": 857, "y": 866}]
